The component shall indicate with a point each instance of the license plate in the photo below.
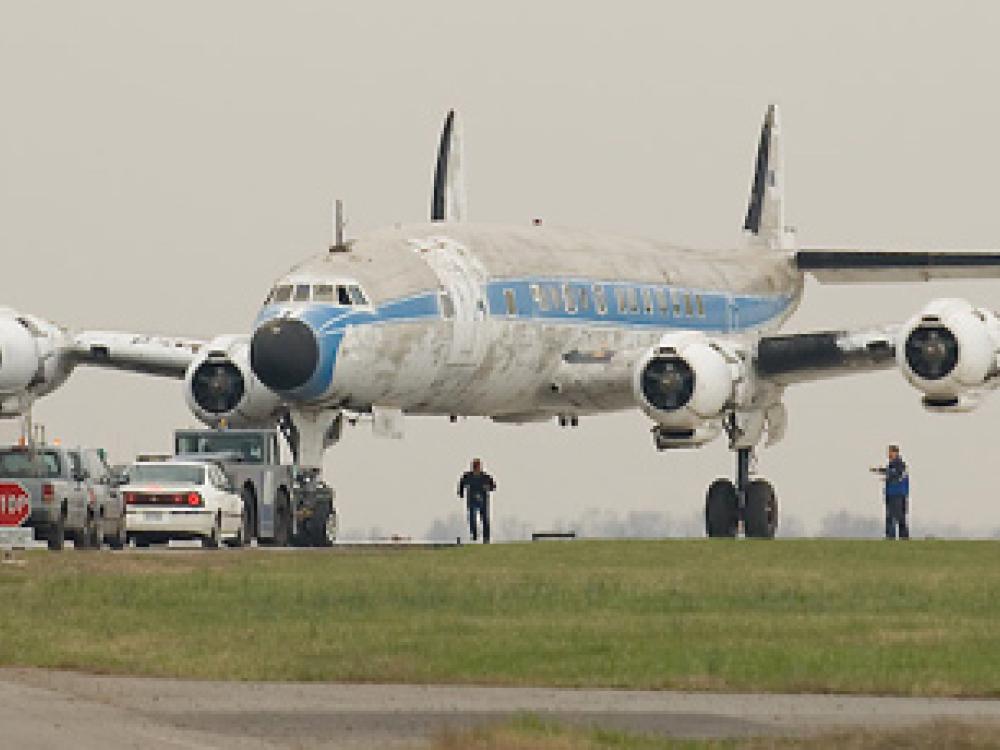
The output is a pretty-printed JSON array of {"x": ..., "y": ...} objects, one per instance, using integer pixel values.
[{"x": 152, "y": 516}]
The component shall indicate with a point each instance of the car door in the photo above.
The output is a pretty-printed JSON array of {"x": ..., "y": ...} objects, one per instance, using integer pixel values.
[
  {"x": 108, "y": 497},
  {"x": 79, "y": 491},
  {"x": 229, "y": 502}
]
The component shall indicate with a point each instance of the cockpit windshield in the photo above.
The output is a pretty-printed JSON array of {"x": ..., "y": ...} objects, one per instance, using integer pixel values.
[{"x": 347, "y": 294}]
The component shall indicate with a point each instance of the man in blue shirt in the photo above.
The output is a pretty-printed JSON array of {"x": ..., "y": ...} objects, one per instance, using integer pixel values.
[
  {"x": 897, "y": 491},
  {"x": 476, "y": 486}
]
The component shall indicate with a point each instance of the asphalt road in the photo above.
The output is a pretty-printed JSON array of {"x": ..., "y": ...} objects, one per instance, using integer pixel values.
[{"x": 48, "y": 709}]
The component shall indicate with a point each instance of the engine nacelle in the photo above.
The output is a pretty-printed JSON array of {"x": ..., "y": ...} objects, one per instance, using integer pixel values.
[
  {"x": 220, "y": 387},
  {"x": 947, "y": 351},
  {"x": 20, "y": 357},
  {"x": 686, "y": 380}
]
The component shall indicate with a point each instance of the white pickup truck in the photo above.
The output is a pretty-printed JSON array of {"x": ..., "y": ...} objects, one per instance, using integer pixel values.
[{"x": 62, "y": 503}]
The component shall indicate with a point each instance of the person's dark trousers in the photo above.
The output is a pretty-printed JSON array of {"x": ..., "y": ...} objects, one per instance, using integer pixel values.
[
  {"x": 482, "y": 511},
  {"x": 895, "y": 515}
]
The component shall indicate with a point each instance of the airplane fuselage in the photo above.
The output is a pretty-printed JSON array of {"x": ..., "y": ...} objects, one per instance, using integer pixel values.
[{"x": 504, "y": 321}]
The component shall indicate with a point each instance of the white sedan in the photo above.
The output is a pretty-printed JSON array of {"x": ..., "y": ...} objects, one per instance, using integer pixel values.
[{"x": 182, "y": 500}]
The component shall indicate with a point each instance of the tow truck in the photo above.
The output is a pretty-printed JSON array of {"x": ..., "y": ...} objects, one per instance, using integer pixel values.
[{"x": 286, "y": 504}]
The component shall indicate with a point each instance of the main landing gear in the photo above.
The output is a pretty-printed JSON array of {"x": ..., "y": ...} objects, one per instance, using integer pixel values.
[{"x": 749, "y": 500}]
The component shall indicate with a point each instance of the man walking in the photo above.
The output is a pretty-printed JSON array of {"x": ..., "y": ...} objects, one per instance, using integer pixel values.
[
  {"x": 897, "y": 491},
  {"x": 476, "y": 485}
]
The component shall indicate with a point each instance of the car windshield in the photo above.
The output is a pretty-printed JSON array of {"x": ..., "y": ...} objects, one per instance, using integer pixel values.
[
  {"x": 166, "y": 474},
  {"x": 249, "y": 447},
  {"x": 21, "y": 463}
]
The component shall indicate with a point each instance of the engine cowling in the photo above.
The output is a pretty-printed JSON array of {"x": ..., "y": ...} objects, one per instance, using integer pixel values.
[
  {"x": 949, "y": 350},
  {"x": 19, "y": 356},
  {"x": 220, "y": 387},
  {"x": 686, "y": 381}
]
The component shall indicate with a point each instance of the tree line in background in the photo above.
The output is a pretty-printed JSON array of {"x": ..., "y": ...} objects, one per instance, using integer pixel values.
[{"x": 610, "y": 524}]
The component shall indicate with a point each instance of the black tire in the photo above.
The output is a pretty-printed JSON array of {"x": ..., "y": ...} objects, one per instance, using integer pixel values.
[
  {"x": 212, "y": 542},
  {"x": 315, "y": 533},
  {"x": 84, "y": 538},
  {"x": 250, "y": 530},
  {"x": 141, "y": 542},
  {"x": 722, "y": 513},
  {"x": 760, "y": 517},
  {"x": 120, "y": 539},
  {"x": 240, "y": 540},
  {"x": 282, "y": 520},
  {"x": 56, "y": 536},
  {"x": 96, "y": 533}
]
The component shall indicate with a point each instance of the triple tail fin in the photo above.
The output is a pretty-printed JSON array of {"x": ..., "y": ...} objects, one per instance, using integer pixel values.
[
  {"x": 765, "y": 220},
  {"x": 448, "y": 200}
]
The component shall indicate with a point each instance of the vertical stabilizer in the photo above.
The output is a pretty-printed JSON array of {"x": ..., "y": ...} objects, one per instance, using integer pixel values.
[
  {"x": 765, "y": 221},
  {"x": 448, "y": 200}
]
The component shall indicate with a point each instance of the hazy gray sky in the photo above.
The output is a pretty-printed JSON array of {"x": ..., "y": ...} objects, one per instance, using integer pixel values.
[{"x": 162, "y": 163}]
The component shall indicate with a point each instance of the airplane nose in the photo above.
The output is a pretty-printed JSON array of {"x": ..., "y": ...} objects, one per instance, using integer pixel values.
[{"x": 284, "y": 354}]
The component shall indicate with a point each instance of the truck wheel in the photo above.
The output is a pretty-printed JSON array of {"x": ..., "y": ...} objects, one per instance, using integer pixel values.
[
  {"x": 96, "y": 533},
  {"x": 56, "y": 538},
  {"x": 250, "y": 512},
  {"x": 322, "y": 529},
  {"x": 282, "y": 520},
  {"x": 84, "y": 538},
  {"x": 212, "y": 541},
  {"x": 120, "y": 539}
]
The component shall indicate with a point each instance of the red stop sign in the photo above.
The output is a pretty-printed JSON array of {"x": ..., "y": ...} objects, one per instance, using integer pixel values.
[{"x": 14, "y": 504}]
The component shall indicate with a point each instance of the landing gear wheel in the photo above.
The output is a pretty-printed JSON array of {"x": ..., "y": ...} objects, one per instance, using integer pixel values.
[
  {"x": 56, "y": 537},
  {"x": 760, "y": 516},
  {"x": 722, "y": 513}
]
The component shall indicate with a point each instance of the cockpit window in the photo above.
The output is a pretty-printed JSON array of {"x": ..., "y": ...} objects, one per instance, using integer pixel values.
[
  {"x": 283, "y": 293},
  {"x": 323, "y": 293},
  {"x": 302, "y": 292},
  {"x": 357, "y": 296},
  {"x": 343, "y": 298}
]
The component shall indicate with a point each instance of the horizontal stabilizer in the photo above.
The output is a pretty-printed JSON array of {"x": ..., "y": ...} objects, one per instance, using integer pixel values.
[{"x": 882, "y": 266}]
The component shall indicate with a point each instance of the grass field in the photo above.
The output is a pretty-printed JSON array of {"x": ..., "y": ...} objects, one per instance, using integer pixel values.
[{"x": 921, "y": 618}]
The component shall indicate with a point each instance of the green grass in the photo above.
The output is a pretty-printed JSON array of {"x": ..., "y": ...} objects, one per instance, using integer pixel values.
[{"x": 919, "y": 618}]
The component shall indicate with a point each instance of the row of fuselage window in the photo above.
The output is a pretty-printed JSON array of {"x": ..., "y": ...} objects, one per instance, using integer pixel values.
[{"x": 578, "y": 298}]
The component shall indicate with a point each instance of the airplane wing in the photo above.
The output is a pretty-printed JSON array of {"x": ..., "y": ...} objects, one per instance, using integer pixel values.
[
  {"x": 604, "y": 380},
  {"x": 149, "y": 355},
  {"x": 804, "y": 357},
  {"x": 838, "y": 266}
]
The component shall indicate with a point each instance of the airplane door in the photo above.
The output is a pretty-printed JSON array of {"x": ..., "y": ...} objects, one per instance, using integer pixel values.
[{"x": 463, "y": 282}]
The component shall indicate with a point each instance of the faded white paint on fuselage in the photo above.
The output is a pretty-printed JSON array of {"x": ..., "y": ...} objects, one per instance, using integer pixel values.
[{"x": 518, "y": 366}]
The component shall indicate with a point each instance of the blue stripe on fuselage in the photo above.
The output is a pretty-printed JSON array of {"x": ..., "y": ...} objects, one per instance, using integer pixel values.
[{"x": 719, "y": 312}]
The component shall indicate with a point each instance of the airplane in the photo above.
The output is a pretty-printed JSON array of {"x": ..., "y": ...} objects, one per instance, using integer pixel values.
[{"x": 531, "y": 323}]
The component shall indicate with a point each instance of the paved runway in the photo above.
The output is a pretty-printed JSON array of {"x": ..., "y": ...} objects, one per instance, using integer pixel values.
[{"x": 47, "y": 709}]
